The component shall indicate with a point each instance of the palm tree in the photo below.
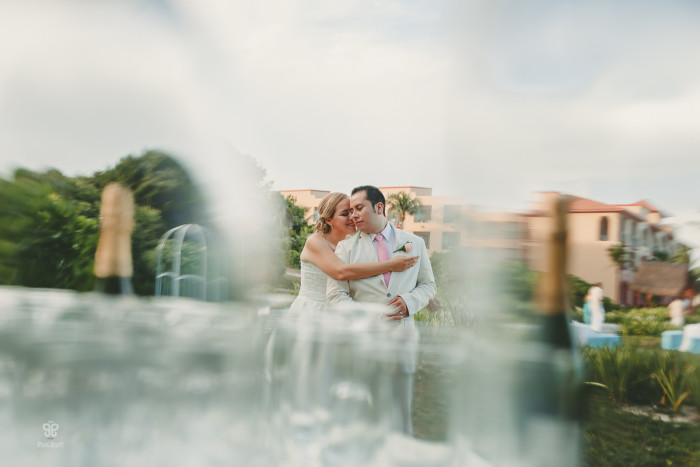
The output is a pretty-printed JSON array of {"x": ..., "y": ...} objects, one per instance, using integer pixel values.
[
  {"x": 403, "y": 204},
  {"x": 681, "y": 256}
]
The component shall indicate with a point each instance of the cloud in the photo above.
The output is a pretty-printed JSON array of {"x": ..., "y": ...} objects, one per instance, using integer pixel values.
[
  {"x": 487, "y": 99},
  {"x": 564, "y": 96},
  {"x": 84, "y": 87}
]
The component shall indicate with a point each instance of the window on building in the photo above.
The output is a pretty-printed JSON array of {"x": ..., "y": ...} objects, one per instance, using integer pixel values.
[
  {"x": 424, "y": 214},
  {"x": 603, "y": 228},
  {"x": 450, "y": 240},
  {"x": 425, "y": 236},
  {"x": 453, "y": 213},
  {"x": 316, "y": 214},
  {"x": 623, "y": 231}
]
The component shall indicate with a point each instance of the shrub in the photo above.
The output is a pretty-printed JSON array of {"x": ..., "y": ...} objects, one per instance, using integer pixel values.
[
  {"x": 620, "y": 370},
  {"x": 694, "y": 380},
  {"x": 673, "y": 373},
  {"x": 644, "y": 326},
  {"x": 578, "y": 289},
  {"x": 641, "y": 321}
]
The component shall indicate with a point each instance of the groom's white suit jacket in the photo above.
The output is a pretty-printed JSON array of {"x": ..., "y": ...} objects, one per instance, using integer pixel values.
[{"x": 415, "y": 285}]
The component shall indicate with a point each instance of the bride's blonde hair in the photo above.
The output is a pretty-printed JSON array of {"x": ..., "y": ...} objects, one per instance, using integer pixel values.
[{"x": 326, "y": 210}]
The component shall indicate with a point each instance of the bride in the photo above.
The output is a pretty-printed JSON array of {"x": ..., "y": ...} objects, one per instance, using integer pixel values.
[{"x": 318, "y": 260}]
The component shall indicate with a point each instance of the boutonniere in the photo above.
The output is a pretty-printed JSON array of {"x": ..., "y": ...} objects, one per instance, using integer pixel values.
[{"x": 407, "y": 247}]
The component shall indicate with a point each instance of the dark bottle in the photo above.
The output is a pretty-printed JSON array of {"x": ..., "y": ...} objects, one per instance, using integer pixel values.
[
  {"x": 552, "y": 294},
  {"x": 113, "y": 265},
  {"x": 557, "y": 379}
]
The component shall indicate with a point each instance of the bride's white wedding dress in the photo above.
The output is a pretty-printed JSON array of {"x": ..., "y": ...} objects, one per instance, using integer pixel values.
[{"x": 312, "y": 293}]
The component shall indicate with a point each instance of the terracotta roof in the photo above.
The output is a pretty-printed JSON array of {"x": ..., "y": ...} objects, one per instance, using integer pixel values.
[
  {"x": 579, "y": 204},
  {"x": 644, "y": 203},
  {"x": 661, "y": 278}
]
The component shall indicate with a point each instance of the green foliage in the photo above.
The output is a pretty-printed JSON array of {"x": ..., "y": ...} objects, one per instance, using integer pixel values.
[
  {"x": 644, "y": 375},
  {"x": 613, "y": 438},
  {"x": 148, "y": 229},
  {"x": 617, "y": 254},
  {"x": 293, "y": 259},
  {"x": 450, "y": 279},
  {"x": 661, "y": 255},
  {"x": 644, "y": 327},
  {"x": 160, "y": 182},
  {"x": 298, "y": 229},
  {"x": 693, "y": 379},
  {"x": 46, "y": 241},
  {"x": 641, "y": 321},
  {"x": 618, "y": 370},
  {"x": 403, "y": 204},
  {"x": 673, "y": 375},
  {"x": 578, "y": 288},
  {"x": 519, "y": 281},
  {"x": 49, "y": 224},
  {"x": 681, "y": 256}
]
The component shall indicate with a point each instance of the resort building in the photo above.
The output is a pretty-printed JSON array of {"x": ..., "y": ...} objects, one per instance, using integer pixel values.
[{"x": 595, "y": 227}]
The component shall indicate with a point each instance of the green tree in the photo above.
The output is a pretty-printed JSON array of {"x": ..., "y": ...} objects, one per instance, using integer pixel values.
[
  {"x": 403, "y": 204},
  {"x": 46, "y": 240},
  {"x": 160, "y": 182},
  {"x": 578, "y": 288},
  {"x": 298, "y": 229},
  {"x": 661, "y": 255},
  {"x": 618, "y": 254},
  {"x": 681, "y": 256},
  {"x": 49, "y": 224},
  {"x": 148, "y": 229}
]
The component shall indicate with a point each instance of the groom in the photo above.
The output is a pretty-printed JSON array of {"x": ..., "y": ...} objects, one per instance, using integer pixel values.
[{"x": 406, "y": 292}]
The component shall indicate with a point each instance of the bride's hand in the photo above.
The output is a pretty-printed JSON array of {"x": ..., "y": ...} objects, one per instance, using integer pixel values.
[{"x": 401, "y": 263}]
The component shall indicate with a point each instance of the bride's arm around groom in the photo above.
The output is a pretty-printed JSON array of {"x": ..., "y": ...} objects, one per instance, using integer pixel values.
[{"x": 414, "y": 287}]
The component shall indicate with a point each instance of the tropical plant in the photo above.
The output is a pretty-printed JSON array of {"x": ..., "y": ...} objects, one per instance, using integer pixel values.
[
  {"x": 694, "y": 384},
  {"x": 49, "y": 224},
  {"x": 681, "y": 256},
  {"x": 578, "y": 288},
  {"x": 298, "y": 229},
  {"x": 160, "y": 182},
  {"x": 614, "y": 438},
  {"x": 46, "y": 241},
  {"x": 403, "y": 204},
  {"x": 673, "y": 376},
  {"x": 644, "y": 326},
  {"x": 618, "y": 370},
  {"x": 640, "y": 321},
  {"x": 618, "y": 254},
  {"x": 661, "y": 255}
]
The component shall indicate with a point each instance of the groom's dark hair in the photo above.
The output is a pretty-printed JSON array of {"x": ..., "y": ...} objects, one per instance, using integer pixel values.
[{"x": 372, "y": 194}]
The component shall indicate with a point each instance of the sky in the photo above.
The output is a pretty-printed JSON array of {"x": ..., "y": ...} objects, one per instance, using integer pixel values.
[{"x": 489, "y": 100}]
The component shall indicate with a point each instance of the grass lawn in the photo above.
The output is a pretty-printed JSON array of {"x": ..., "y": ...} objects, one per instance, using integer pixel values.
[{"x": 613, "y": 437}]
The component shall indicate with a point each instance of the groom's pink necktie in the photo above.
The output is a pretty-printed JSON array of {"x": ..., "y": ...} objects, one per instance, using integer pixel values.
[{"x": 382, "y": 255}]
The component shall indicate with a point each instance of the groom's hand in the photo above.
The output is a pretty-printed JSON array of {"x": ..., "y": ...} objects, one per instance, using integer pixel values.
[{"x": 401, "y": 311}]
